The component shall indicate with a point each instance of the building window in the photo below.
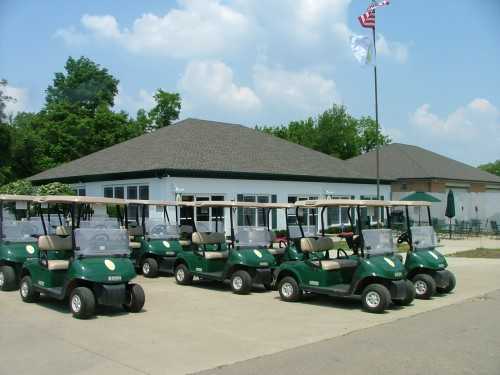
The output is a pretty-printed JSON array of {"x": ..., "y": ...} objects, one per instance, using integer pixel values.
[
  {"x": 80, "y": 191},
  {"x": 129, "y": 192},
  {"x": 368, "y": 216},
  {"x": 310, "y": 215},
  {"x": 256, "y": 216},
  {"x": 338, "y": 215},
  {"x": 207, "y": 219}
]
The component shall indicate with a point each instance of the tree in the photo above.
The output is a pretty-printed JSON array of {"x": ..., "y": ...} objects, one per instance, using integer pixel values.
[
  {"x": 493, "y": 167},
  {"x": 334, "y": 132},
  {"x": 4, "y": 98},
  {"x": 85, "y": 85},
  {"x": 25, "y": 187},
  {"x": 166, "y": 110}
]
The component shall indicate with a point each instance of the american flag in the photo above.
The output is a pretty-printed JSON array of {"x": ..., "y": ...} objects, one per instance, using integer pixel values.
[{"x": 367, "y": 19}]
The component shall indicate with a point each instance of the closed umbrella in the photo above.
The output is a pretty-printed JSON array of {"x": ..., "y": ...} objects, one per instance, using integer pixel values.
[{"x": 450, "y": 207}]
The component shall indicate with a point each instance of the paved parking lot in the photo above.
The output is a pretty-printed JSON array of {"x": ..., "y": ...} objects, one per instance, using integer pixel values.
[{"x": 189, "y": 329}]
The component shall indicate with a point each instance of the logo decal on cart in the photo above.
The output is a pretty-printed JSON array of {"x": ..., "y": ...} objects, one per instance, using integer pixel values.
[
  {"x": 109, "y": 264},
  {"x": 30, "y": 249},
  {"x": 166, "y": 244},
  {"x": 433, "y": 255},
  {"x": 389, "y": 262},
  {"x": 258, "y": 253}
]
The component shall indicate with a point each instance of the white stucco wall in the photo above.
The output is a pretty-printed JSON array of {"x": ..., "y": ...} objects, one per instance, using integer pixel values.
[
  {"x": 165, "y": 188},
  {"x": 487, "y": 203}
]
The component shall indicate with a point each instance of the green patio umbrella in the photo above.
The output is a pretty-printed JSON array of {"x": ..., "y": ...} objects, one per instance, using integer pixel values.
[
  {"x": 450, "y": 207},
  {"x": 421, "y": 196}
]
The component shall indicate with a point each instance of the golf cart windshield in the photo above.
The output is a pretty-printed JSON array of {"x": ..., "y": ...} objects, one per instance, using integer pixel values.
[
  {"x": 423, "y": 237},
  {"x": 294, "y": 231},
  {"x": 21, "y": 231},
  {"x": 100, "y": 223},
  {"x": 101, "y": 242},
  {"x": 158, "y": 229},
  {"x": 209, "y": 227},
  {"x": 378, "y": 241},
  {"x": 253, "y": 237}
]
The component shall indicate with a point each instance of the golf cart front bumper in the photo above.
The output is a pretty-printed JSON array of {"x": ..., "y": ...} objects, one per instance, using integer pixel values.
[
  {"x": 110, "y": 294},
  {"x": 398, "y": 289},
  {"x": 263, "y": 276},
  {"x": 442, "y": 278}
]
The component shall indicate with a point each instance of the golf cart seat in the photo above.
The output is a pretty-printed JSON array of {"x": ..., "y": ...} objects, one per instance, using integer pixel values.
[
  {"x": 335, "y": 264},
  {"x": 276, "y": 249},
  {"x": 55, "y": 243},
  {"x": 185, "y": 242},
  {"x": 134, "y": 245},
  {"x": 216, "y": 254},
  {"x": 202, "y": 238},
  {"x": 313, "y": 244},
  {"x": 63, "y": 231}
]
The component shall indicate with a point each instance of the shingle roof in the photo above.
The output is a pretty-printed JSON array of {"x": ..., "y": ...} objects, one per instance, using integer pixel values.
[
  {"x": 205, "y": 146},
  {"x": 400, "y": 161}
]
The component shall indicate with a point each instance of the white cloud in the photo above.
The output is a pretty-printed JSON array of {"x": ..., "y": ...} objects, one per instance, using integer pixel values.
[
  {"x": 104, "y": 26},
  {"x": 71, "y": 36},
  {"x": 471, "y": 132},
  {"x": 20, "y": 100},
  {"x": 395, "y": 50},
  {"x": 303, "y": 90},
  {"x": 143, "y": 99},
  {"x": 211, "y": 83}
]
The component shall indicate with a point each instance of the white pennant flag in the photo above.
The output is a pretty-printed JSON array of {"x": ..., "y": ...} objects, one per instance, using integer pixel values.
[{"x": 362, "y": 48}]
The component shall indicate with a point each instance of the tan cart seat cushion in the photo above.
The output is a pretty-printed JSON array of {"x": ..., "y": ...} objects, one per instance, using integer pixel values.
[
  {"x": 63, "y": 231},
  {"x": 335, "y": 264},
  {"x": 316, "y": 244},
  {"x": 201, "y": 238},
  {"x": 185, "y": 242},
  {"x": 216, "y": 254},
  {"x": 55, "y": 265},
  {"x": 54, "y": 243},
  {"x": 135, "y": 245}
]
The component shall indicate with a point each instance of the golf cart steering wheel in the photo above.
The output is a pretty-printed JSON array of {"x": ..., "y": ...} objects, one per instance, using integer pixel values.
[
  {"x": 344, "y": 254},
  {"x": 403, "y": 237},
  {"x": 99, "y": 239},
  {"x": 99, "y": 226},
  {"x": 158, "y": 229}
]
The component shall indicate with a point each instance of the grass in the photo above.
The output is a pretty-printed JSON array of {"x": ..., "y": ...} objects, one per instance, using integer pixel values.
[{"x": 478, "y": 253}]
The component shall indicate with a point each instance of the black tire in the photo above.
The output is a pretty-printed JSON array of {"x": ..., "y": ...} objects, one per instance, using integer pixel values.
[
  {"x": 8, "y": 278},
  {"x": 289, "y": 289},
  {"x": 135, "y": 298},
  {"x": 425, "y": 286},
  {"x": 375, "y": 298},
  {"x": 28, "y": 294},
  {"x": 82, "y": 303},
  {"x": 241, "y": 282},
  {"x": 183, "y": 275},
  {"x": 149, "y": 268},
  {"x": 410, "y": 295},
  {"x": 452, "y": 282}
]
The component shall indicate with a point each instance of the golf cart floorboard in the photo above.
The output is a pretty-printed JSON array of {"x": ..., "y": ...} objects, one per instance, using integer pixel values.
[
  {"x": 210, "y": 275},
  {"x": 56, "y": 292},
  {"x": 336, "y": 290}
]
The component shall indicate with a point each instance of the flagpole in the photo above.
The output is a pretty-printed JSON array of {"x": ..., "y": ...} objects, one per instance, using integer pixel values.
[{"x": 377, "y": 134}]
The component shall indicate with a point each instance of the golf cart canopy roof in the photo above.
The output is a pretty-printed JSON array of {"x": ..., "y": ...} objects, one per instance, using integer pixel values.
[
  {"x": 81, "y": 200},
  {"x": 341, "y": 203},
  {"x": 242, "y": 204},
  {"x": 159, "y": 203},
  {"x": 411, "y": 203},
  {"x": 19, "y": 198}
]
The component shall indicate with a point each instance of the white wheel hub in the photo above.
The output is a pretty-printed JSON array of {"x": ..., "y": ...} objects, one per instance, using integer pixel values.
[
  {"x": 420, "y": 287},
  {"x": 287, "y": 290},
  {"x": 180, "y": 274},
  {"x": 24, "y": 289},
  {"x": 146, "y": 268},
  {"x": 372, "y": 299},
  {"x": 76, "y": 303},
  {"x": 2, "y": 279},
  {"x": 237, "y": 282}
]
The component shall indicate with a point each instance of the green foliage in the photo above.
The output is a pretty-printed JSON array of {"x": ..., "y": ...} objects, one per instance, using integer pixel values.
[
  {"x": 166, "y": 110},
  {"x": 334, "y": 132},
  {"x": 25, "y": 187},
  {"x": 54, "y": 188},
  {"x": 4, "y": 98},
  {"x": 493, "y": 167}
]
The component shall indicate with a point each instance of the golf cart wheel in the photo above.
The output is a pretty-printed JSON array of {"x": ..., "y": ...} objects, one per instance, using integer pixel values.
[
  {"x": 182, "y": 275},
  {"x": 28, "y": 294},
  {"x": 289, "y": 289},
  {"x": 149, "y": 267},
  {"x": 375, "y": 298},
  {"x": 241, "y": 282},
  {"x": 82, "y": 303},
  {"x": 452, "y": 282},
  {"x": 7, "y": 278},
  {"x": 410, "y": 295},
  {"x": 135, "y": 298},
  {"x": 425, "y": 286}
]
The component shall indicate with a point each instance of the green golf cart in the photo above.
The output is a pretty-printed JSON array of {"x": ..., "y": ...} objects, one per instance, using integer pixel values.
[
  {"x": 155, "y": 242},
  {"x": 88, "y": 264},
  {"x": 372, "y": 271},
  {"x": 425, "y": 266},
  {"x": 244, "y": 260},
  {"x": 18, "y": 238}
]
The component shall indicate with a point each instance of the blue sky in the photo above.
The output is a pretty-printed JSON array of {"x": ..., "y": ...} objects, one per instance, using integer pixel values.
[{"x": 266, "y": 63}]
